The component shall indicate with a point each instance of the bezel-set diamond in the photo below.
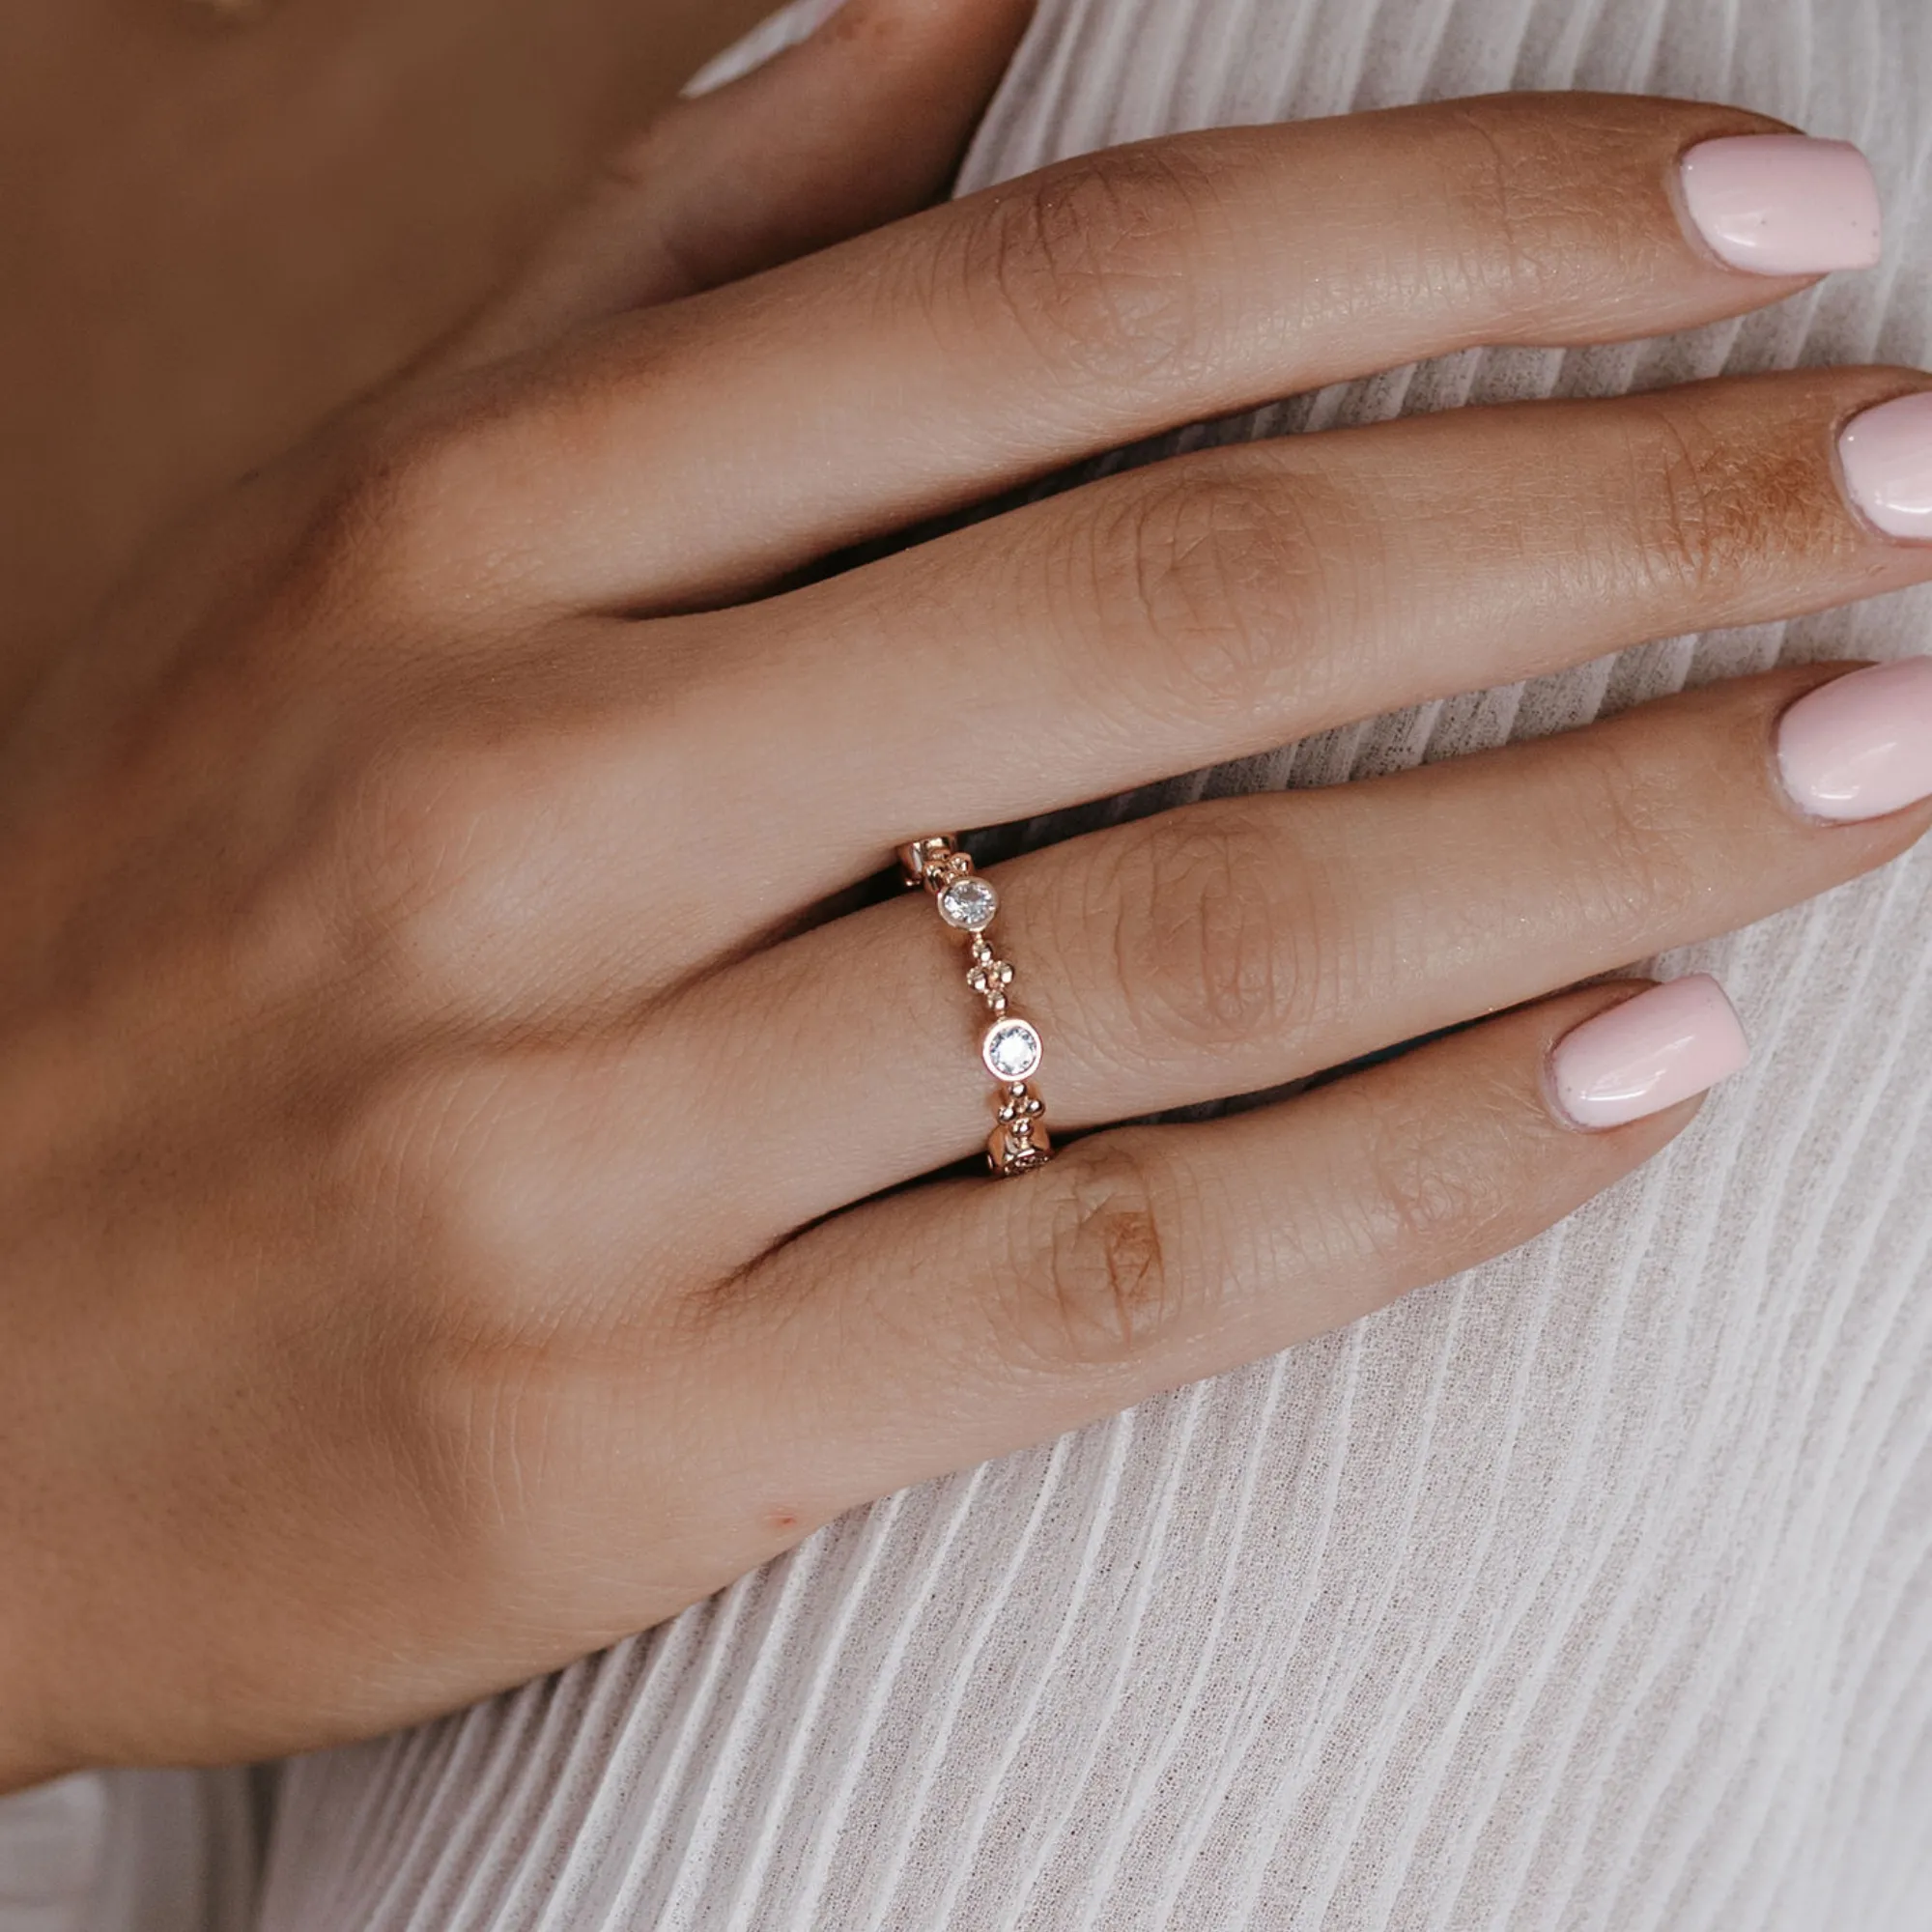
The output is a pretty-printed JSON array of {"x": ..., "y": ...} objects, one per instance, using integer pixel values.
[
  {"x": 969, "y": 903},
  {"x": 1011, "y": 1050}
]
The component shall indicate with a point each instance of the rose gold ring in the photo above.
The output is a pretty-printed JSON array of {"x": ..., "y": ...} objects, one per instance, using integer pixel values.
[{"x": 1009, "y": 1049}]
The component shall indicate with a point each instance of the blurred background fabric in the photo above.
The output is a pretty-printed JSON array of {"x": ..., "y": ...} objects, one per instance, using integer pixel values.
[{"x": 134, "y": 1851}]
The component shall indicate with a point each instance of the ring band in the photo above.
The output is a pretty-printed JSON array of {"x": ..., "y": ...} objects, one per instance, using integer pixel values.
[{"x": 1011, "y": 1047}]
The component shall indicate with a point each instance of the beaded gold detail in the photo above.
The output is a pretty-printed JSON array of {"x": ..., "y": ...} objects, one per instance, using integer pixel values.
[{"x": 1010, "y": 1048}]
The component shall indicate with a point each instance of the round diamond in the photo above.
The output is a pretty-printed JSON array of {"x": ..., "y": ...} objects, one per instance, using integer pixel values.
[
  {"x": 1010, "y": 1050},
  {"x": 969, "y": 903}
]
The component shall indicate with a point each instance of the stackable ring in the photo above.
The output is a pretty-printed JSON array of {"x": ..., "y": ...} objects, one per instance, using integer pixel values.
[{"x": 1011, "y": 1047}]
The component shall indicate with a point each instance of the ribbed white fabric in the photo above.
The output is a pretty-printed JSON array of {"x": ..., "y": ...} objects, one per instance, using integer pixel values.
[
  {"x": 1591, "y": 1592},
  {"x": 131, "y": 1851}
]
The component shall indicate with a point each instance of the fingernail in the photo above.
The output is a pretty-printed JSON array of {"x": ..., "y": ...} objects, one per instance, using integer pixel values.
[
  {"x": 1860, "y": 746},
  {"x": 1783, "y": 204},
  {"x": 1648, "y": 1054},
  {"x": 1886, "y": 456}
]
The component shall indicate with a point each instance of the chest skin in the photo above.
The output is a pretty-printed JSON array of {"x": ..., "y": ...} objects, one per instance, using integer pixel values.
[{"x": 216, "y": 230}]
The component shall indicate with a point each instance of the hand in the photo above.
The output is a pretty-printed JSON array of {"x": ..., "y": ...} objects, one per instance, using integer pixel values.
[{"x": 443, "y": 1120}]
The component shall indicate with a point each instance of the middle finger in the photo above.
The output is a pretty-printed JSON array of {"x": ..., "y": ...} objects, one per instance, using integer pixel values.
[
  {"x": 1224, "y": 603},
  {"x": 1155, "y": 622}
]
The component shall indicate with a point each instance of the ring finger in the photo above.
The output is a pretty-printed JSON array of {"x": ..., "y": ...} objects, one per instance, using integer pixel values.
[{"x": 1230, "y": 946}]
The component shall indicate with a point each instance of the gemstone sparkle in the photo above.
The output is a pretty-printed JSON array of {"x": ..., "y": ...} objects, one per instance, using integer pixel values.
[
  {"x": 969, "y": 904},
  {"x": 1011, "y": 1050}
]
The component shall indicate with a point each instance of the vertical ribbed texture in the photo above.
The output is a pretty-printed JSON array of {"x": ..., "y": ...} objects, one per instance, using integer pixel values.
[{"x": 1592, "y": 1590}]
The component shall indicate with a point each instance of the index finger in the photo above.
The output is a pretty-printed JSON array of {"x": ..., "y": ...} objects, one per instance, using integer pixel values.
[{"x": 696, "y": 451}]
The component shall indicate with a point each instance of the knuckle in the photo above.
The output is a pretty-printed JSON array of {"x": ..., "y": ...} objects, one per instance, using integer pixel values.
[
  {"x": 1208, "y": 569},
  {"x": 1218, "y": 934},
  {"x": 429, "y": 848},
  {"x": 1095, "y": 263},
  {"x": 434, "y": 1141},
  {"x": 479, "y": 1320},
  {"x": 449, "y": 859},
  {"x": 406, "y": 521},
  {"x": 1632, "y": 841},
  {"x": 1711, "y": 508},
  {"x": 1529, "y": 229},
  {"x": 1100, "y": 1284},
  {"x": 1496, "y": 236},
  {"x": 1436, "y": 1197},
  {"x": 1688, "y": 496}
]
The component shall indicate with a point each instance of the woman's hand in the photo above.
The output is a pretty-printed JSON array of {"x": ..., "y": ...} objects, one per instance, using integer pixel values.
[{"x": 435, "y": 1090}]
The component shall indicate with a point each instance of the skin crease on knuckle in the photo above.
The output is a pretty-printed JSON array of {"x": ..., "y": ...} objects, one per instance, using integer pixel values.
[
  {"x": 1535, "y": 216},
  {"x": 1091, "y": 265},
  {"x": 1440, "y": 1201},
  {"x": 1626, "y": 839},
  {"x": 1672, "y": 819},
  {"x": 1527, "y": 238},
  {"x": 1550, "y": 208},
  {"x": 1132, "y": 1257},
  {"x": 1710, "y": 509},
  {"x": 1207, "y": 933},
  {"x": 1109, "y": 1268},
  {"x": 1202, "y": 584}
]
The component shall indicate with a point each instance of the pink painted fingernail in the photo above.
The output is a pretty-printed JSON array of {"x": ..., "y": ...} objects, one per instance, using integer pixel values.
[
  {"x": 1648, "y": 1054},
  {"x": 1860, "y": 746},
  {"x": 1886, "y": 456},
  {"x": 1783, "y": 204}
]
